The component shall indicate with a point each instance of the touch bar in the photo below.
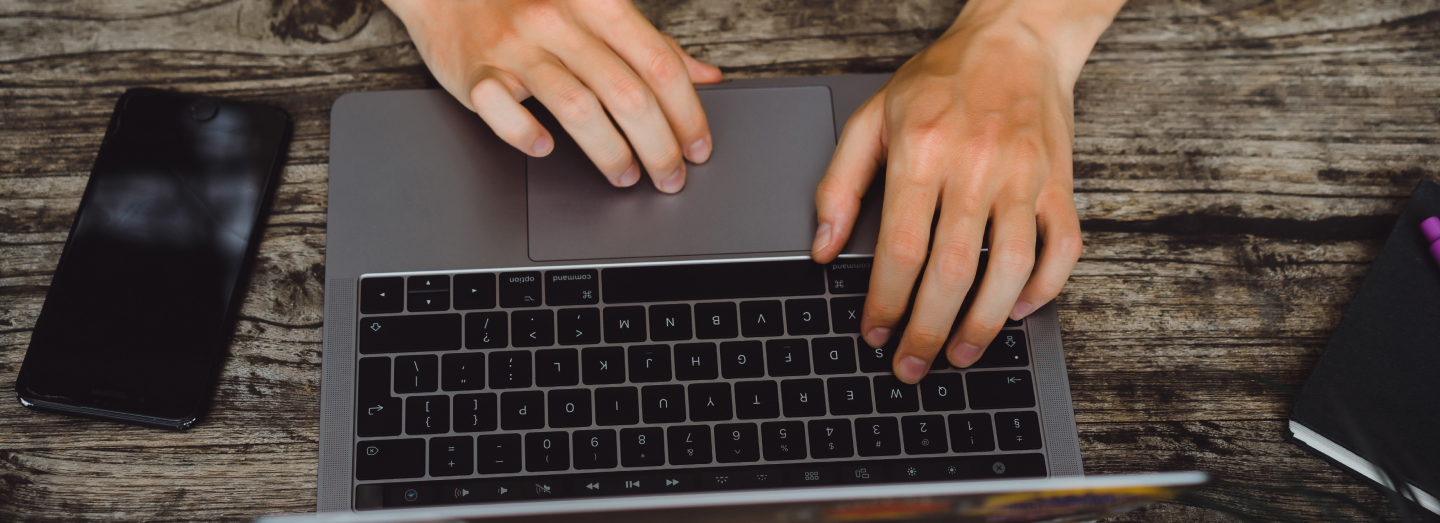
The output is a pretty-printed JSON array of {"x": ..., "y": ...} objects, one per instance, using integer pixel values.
[{"x": 717, "y": 281}]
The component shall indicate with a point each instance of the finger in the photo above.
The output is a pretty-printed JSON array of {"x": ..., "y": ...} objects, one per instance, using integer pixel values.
[
  {"x": 948, "y": 276},
  {"x": 633, "y": 106},
  {"x": 1012, "y": 257},
  {"x": 904, "y": 241},
  {"x": 1060, "y": 232},
  {"x": 498, "y": 104},
  {"x": 852, "y": 169},
  {"x": 700, "y": 72},
  {"x": 656, "y": 61},
  {"x": 580, "y": 113}
]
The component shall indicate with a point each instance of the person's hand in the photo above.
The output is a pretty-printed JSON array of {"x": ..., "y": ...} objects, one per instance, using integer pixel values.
[
  {"x": 581, "y": 59},
  {"x": 978, "y": 127}
]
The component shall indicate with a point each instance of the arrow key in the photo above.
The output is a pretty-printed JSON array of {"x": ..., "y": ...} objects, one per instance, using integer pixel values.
[{"x": 382, "y": 295}]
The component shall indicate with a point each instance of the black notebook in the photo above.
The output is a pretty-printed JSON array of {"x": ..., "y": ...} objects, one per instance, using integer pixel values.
[{"x": 1372, "y": 404}]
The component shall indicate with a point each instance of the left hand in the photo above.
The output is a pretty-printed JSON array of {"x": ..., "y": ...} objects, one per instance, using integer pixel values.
[{"x": 979, "y": 126}]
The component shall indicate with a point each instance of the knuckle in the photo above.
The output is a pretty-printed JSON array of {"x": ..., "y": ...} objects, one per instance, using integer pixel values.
[
  {"x": 885, "y": 310},
  {"x": 907, "y": 248},
  {"x": 926, "y": 337},
  {"x": 576, "y": 104},
  {"x": 1012, "y": 259},
  {"x": 953, "y": 263},
  {"x": 546, "y": 15},
  {"x": 1070, "y": 245},
  {"x": 630, "y": 96},
  {"x": 666, "y": 68}
]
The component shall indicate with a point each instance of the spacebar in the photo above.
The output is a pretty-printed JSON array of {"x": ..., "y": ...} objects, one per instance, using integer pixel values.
[{"x": 712, "y": 281}]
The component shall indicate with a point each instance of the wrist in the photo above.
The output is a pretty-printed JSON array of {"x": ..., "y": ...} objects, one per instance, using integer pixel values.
[{"x": 1066, "y": 29}]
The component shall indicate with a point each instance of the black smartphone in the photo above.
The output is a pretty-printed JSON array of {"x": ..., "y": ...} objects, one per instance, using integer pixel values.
[{"x": 138, "y": 316}]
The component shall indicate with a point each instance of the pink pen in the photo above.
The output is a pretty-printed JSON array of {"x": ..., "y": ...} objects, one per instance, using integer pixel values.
[{"x": 1431, "y": 228}]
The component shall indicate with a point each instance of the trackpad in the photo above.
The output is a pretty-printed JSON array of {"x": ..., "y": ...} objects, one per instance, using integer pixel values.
[{"x": 756, "y": 194}]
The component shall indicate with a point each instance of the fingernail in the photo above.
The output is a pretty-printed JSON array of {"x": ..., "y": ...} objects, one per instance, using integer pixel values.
[
  {"x": 822, "y": 237},
  {"x": 911, "y": 369},
  {"x": 964, "y": 354},
  {"x": 1021, "y": 310},
  {"x": 631, "y": 176},
  {"x": 542, "y": 146},
  {"x": 699, "y": 151},
  {"x": 877, "y": 336},
  {"x": 673, "y": 184}
]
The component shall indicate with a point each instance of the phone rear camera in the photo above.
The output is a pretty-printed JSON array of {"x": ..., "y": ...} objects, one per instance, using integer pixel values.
[{"x": 204, "y": 110}]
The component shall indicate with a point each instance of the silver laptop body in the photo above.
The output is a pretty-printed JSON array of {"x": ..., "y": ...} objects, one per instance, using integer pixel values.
[{"x": 422, "y": 191}]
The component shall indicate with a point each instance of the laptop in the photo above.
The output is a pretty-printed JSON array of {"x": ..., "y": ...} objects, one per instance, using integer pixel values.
[{"x": 513, "y": 337}]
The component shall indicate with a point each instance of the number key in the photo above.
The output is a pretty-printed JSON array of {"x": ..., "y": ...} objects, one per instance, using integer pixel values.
[
  {"x": 595, "y": 449},
  {"x": 737, "y": 442},
  {"x": 643, "y": 447}
]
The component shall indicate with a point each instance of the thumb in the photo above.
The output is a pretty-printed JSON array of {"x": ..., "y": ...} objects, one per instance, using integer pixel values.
[{"x": 852, "y": 168}]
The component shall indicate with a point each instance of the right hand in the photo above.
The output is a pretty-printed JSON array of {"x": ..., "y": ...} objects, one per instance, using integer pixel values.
[{"x": 580, "y": 58}]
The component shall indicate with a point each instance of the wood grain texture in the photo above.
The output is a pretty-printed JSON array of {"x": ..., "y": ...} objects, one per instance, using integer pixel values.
[{"x": 1238, "y": 164}]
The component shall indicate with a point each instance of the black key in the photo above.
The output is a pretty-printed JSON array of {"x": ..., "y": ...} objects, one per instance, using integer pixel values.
[
  {"x": 761, "y": 319},
  {"x": 893, "y": 395},
  {"x": 845, "y": 314},
  {"x": 716, "y": 321},
  {"x": 696, "y": 361},
  {"x": 737, "y": 443},
  {"x": 849, "y": 275},
  {"x": 877, "y": 436},
  {"x": 377, "y": 413},
  {"x": 940, "y": 362},
  {"x": 575, "y": 287},
  {"x": 522, "y": 410},
  {"x": 418, "y": 333},
  {"x": 716, "y": 281},
  {"x": 462, "y": 371},
  {"x": 849, "y": 395},
  {"x": 642, "y": 447},
  {"x": 689, "y": 444},
  {"x": 856, "y": 473},
  {"x": 617, "y": 406},
  {"x": 803, "y": 398},
  {"x": 709, "y": 402},
  {"x": 486, "y": 330},
  {"x": 475, "y": 412},
  {"x": 670, "y": 322},
  {"x": 783, "y": 440},
  {"x": 742, "y": 359},
  {"x": 578, "y": 326},
  {"x": 663, "y": 403},
  {"x": 811, "y": 474},
  {"x": 834, "y": 355},
  {"x": 880, "y": 359},
  {"x": 1008, "y": 349},
  {"x": 943, "y": 391},
  {"x": 452, "y": 456},
  {"x": 808, "y": 316},
  {"x": 569, "y": 408},
  {"x": 971, "y": 433},
  {"x": 390, "y": 459},
  {"x": 830, "y": 438},
  {"x": 417, "y": 374},
  {"x": 510, "y": 369},
  {"x": 497, "y": 454},
  {"x": 756, "y": 400},
  {"x": 603, "y": 365},
  {"x": 924, "y": 434},
  {"x": 382, "y": 295},
  {"x": 595, "y": 449},
  {"x": 475, "y": 291},
  {"x": 1014, "y": 323},
  {"x": 1017, "y": 430},
  {"x": 427, "y": 414},
  {"x": 1006, "y": 389},
  {"x": 557, "y": 367},
  {"x": 520, "y": 289},
  {"x": 428, "y": 293},
  {"x": 547, "y": 451},
  {"x": 625, "y": 324},
  {"x": 788, "y": 357},
  {"x": 532, "y": 328},
  {"x": 649, "y": 363}
]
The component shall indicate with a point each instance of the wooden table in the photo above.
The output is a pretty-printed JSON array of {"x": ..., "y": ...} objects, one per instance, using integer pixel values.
[{"x": 1237, "y": 166}]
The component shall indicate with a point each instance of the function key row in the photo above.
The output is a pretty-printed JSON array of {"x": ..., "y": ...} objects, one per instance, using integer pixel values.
[
  {"x": 436, "y": 492},
  {"x": 568, "y": 287},
  {"x": 697, "y": 445}
]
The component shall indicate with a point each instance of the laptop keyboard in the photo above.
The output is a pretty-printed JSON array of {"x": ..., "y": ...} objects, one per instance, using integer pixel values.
[{"x": 521, "y": 385}]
